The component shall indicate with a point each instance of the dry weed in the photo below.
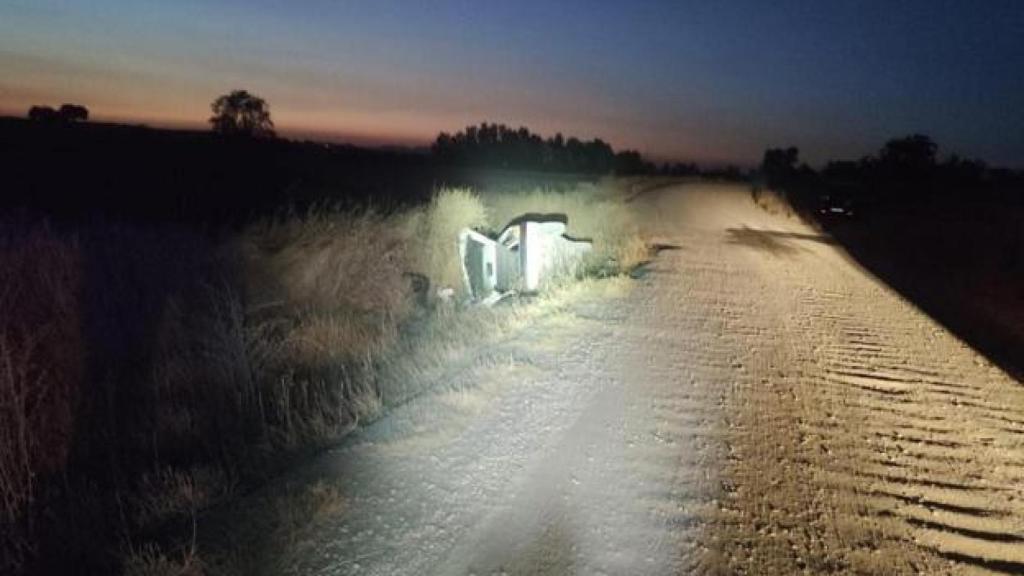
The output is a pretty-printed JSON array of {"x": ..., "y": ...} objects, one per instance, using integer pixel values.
[
  {"x": 41, "y": 371},
  {"x": 169, "y": 493},
  {"x": 329, "y": 260},
  {"x": 149, "y": 560},
  {"x": 433, "y": 249},
  {"x": 268, "y": 530}
]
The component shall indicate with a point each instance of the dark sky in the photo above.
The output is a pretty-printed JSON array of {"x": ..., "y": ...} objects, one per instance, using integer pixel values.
[{"x": 714, "y": 80}]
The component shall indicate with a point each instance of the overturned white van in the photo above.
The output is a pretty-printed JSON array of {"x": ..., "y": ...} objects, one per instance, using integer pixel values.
[{"x": 531, "y": 250}]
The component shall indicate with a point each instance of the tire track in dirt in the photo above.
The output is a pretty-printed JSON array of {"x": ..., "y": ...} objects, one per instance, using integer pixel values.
[
  {"x": 973, "y": 520},
  {"x": 886, "y": 445}
]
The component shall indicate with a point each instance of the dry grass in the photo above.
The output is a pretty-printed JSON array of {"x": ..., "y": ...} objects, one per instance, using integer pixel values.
[
  {"x": 169, "y": 494},
  {"x": 41, "y": 371},
  {"x": 434, "y": 252},
  {"x": 329, "y": 293},
  {"x": 149, "y": 560},
  {"x": 303, "y": 508},
  {"x": 327, "y": 261},
  {"x": 277, "y": 341},
  {"x": 265, "y": 532},
  {"x": 326, "y": 292}
]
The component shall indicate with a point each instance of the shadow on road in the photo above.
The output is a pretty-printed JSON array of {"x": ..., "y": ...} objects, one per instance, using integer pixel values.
[
  {"x": 962, "y": 267},
  {"x": 771, "y": 241}
]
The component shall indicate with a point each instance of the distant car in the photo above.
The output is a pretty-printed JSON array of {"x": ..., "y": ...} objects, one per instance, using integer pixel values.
[{"x": 835, "y": 209}]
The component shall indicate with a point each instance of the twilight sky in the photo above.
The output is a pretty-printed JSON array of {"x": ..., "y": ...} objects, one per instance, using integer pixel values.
[{"x": 706, "y": 81}]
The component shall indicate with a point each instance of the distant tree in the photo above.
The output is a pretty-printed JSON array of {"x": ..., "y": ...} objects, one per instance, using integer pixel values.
[
  {"x": 960, "y": 174},
  {"x": 67, "y": 113},
  {"x": 73, "y": 113},
  {"x": 906, "y": 166},
  {"x": 914, "y": 153},
  {"x": 240, "y": 113},
  {"x": 733, "y": 173},
  {"x": 573, "y": 158},
  {"x": 42, "y": 114},
  {"x": 779, "y": 166},
  {"x": 680, "y": 169},
  {"x": 630, "y": 162},
  {"x": 444, "y": 148},
  {"x": 600, "y": 157},
  {"x": 845, "y": 171}
]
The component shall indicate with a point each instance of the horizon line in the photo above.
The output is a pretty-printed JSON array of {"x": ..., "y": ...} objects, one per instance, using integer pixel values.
[{"x": 369, "y": 141}]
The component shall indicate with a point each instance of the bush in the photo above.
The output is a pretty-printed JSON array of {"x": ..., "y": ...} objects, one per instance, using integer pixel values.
[{"x": 41, "y": 377}]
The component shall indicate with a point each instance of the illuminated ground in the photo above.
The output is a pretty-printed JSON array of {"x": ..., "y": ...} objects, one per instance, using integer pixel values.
[{"x": 756, "y": 403}]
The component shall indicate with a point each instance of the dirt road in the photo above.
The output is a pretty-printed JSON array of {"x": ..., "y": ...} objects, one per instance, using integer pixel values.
[{"x": 756, "y": 403}]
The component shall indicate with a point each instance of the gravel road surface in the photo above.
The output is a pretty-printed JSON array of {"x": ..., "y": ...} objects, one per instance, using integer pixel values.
[{"x": 754, "y": 403}]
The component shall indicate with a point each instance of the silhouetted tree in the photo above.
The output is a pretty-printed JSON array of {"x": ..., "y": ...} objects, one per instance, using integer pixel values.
[
  {"x": 905, "y": 166},
  {"x": 67, "y": 113},
  {"x": 630, "y": 162},
  {"x": 680, "y": 169},
  {"x": 915, "y": 152},
  {"x": 42, "y": 114},
  {"x": 73, "y": 113},
  {"x": 779, "y": 166},
  {"x": 962, "y": 174},
  {"x": 729, "y": 172},
  {"x": 240, "y": 113},
  {"x": 844, "y": 171},
  {"x": 905, "y": 170}
]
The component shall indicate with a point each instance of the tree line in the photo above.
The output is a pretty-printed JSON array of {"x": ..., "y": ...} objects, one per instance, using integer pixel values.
[
  {"x": 908, "y": 168},
  {"x": 66, "y": 114},
  {"x": 241, "y": 114},
  {"x": 493, "y": 145},
  {"x": 237, "y": 113}
]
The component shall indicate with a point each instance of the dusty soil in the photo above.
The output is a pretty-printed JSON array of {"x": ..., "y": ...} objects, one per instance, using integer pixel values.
[
  {"x": 961, "y": 262},
  {"x": 755, "y": 403}
]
